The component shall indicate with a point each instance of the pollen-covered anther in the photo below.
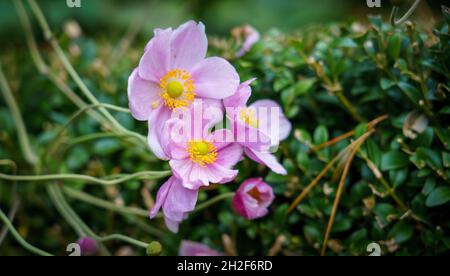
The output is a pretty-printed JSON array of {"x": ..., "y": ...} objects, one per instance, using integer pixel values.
[
  {"x": 177, "y": 89},
  {"x": 248, "y": 116},
  {"x": 202, "y": 152}
]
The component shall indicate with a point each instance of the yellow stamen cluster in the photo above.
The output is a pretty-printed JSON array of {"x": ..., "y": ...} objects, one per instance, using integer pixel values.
[
  {"x": 248, "y": 116},
  {"x": 177, "y": 89},
  {"x": 202, "y": 152}
]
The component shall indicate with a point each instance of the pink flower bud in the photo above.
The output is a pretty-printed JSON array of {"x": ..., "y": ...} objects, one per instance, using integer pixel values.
[
  {"x": 253, "y": 198},
  {"x": 88, "y": 246}
]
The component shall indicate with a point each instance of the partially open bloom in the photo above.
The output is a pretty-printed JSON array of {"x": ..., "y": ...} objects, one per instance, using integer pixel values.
[
  {"x": 172, "y": 72},
  {"x": 253, "y": 198},
  {"x": 195, "y": 249},
  {"x": 175, "y": 201},
  {"x": 88, "y": 246},
  {"x": 250, "y": 36},
  {"x": 264, "y": 119}
]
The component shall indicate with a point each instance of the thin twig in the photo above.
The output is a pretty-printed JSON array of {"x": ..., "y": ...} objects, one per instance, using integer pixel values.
[{"x": 337, "y": 199}]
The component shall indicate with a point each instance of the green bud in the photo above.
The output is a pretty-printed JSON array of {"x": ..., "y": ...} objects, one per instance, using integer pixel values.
[{"x": 154, "y": 248}]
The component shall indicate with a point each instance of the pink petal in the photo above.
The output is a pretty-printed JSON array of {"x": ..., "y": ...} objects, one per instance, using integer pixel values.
[
  {"x": 215, "y": 78},
  {"x": 267, "y": 159},
  {"x": 284, "y": 126},
  {"x": 222, "y": 138},
  {"x": 229, "y": 156},
  {"x": 218, "y": 174},
  {"x": 181, "y": 169},
  {"x": 189, "y": 45},
  {"x": 198, "y": 177},
  {"x": 195, "y": 249},
  {"x": 179, "y": 201},
  {"x": 241, "y": 97},
  {"x": 172, "y": 224},
  {"x": 156, "y": 123},
  {"x": 156, "y": 59},
  {"x": 161, "y": 197},
  {"x": 141, "y": 95}
]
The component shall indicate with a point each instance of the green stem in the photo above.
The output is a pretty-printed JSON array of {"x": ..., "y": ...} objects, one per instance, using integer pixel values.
[
  {"x": 72, "y": 216},
  {"x": 213, "y": 201},
  {"x": 76, "y": 194},
  {"x": 86, "y": 178},
  {"x": 88, "y": 231},
  {"x": 350, "y": 108},
  {"x": 404, "y": 18},
  {"x": 93, "y": 136},
  {"x": 45, "y": 70},
  {"x": 106, "y": 106},
  {"x": 66, "y": 63},
  {"x": 19, "y": 239},
  {"x": 17, "y": 117},
  {"x": 123, "y": 238},
  {"x": 63, "y": 211},
  {"x": 104, "y": 203}
]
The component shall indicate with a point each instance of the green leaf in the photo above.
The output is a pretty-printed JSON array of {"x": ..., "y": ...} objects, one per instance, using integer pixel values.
[
  {"x": 438, "y": 197},
  {"x": 341, "y": 224},
  {"x": 347, "y": 43},
  {"x": 393, "y": 160},
  {"x": 430, "y": 183},
  {"x": 401, "y": 232},
  {"x": 288, "y": 97},
  {"x": 394, "y": 45},
  {"x": 373, "y": 151},
  {"x": 360, "y": 130},
  {"x": 303, "y": 136},
  {"x": 303, "y": 86},
  {"x": 431, "y": 157},
  {"x": 283, "y": 79},
  {"x": 280, "y": 215},
  {"x": 106, "y": 147},
  {"x": 446, "y": 159},
  {"x": 412, "y": 92},
  {"x": 321, "y": 135},
  {"x": 386, "y": 83},
  {"x": 303, "y": 160},
  {"x": 77, "y": 158}
]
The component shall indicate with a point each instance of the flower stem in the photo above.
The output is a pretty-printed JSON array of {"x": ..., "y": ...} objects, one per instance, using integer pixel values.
[
  {"x": 73, "y": 73},
  {"x": 45, "y": 70},
  {"x": 19, "y": 239},
  {"x": 87, "y": 178},
  {"x": 348, "y": 105},
  {"x": 104, "y": 203},
  {"x": 213, "y": 201},
  {"x": 24, "y": 142}
]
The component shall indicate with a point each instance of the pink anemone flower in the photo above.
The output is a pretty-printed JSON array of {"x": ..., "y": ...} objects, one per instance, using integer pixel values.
[
  {"x": 172, "y": 72},
  {"x": 176, "y": 202},
  {"x": 264, "y": 119},
  {"x": 253, "y": 198},
  {"x": 198, "y": 156}
]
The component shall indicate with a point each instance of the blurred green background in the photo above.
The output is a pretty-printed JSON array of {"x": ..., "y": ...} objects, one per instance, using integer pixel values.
[{"x": 99, "y": 17}]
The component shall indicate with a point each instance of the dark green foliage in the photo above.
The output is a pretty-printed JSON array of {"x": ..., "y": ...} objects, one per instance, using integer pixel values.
[{"x": 330, "y": 80}]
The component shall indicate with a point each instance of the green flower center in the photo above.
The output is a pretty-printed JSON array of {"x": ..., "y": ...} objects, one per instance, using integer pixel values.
[{"x": 175, "y": 89}]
